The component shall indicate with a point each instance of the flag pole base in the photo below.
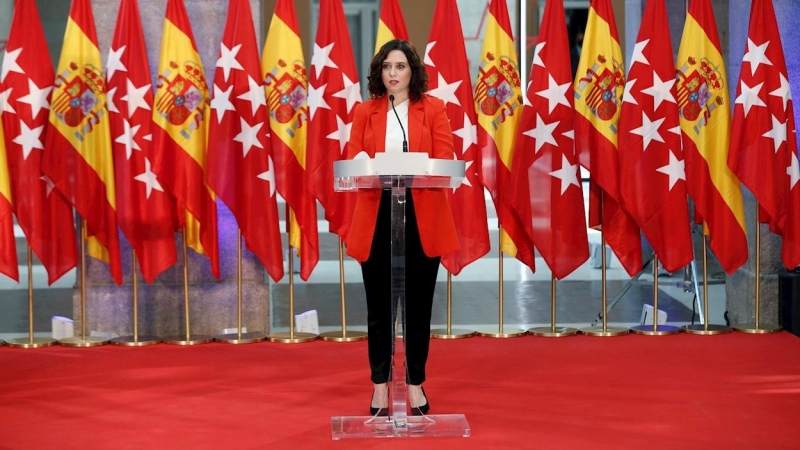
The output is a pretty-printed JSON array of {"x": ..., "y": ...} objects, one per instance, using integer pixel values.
[
  {"x": 30, "y": 343},
  {"x": 661, "y": 330},
  {"x": 505, "y": 333},
  {"x": 605, "y": 332},
  {"x": 455, "y": 333},
  {"x": 243, "y": 338},
  {"x": 90, "y": 341},
  {"x": 753, "y": 329},
  {"x": 343, "y": 336},
  {"x": 292, "y": 338},
  {"x": 553, "y": 332},
  {"x": 139, "y": 341},
  {"x": 706, "y": 330},
  {"x": 192, "y": 339}
]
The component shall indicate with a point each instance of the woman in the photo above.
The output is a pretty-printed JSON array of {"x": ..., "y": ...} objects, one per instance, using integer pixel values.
[{"x": 397, "y": 73}]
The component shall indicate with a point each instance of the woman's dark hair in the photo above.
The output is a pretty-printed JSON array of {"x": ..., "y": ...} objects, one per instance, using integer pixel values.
[{"x": 419, "y": 78}]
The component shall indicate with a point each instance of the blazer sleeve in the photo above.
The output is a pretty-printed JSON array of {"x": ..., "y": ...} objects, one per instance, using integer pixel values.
[{"x": 442, "y": 134}]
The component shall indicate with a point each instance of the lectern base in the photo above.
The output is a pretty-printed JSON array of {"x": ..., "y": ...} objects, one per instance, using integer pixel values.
[{"x": 386, "y": 427}]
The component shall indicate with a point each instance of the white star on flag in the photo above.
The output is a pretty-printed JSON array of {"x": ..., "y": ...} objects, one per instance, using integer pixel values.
[
  {"x": 5, "y": 106},
  {"x": 556, "y": 94},
  {"x": 248, "y": 136},
  {"x": 777, "y": 133},
  {"x": 749, "y": 97},
  {"x": 222, "y": 102},
  {"x": 638, "y": 54},
  {"x": 49, "y": 185},
  {"x": 446, "y": 92},
  {"x": 10, "y": 63},
  {"x": 627, "y": 95},
  {"x": 112, "y": 107},
  {"x": 342, "y": 133},
  {"x": 351, "y": 92},
  {"x": 149, "y": 179},
  {"x": 135, "y": 97},
  {"x": 756, "y": 55},
  {"x": 465, "y": 180},
  {"x": 675, "y": 170},
  {"x": 649, "y": 130},
  {"x": 269, "y": 177},
  {"x": 783, "y": 92},
  {"x": 36, "y": 97},
  {"x": 525, "y": 100},
  {"x": 660, "y": 90},
  {"x": 127, "y": 138},
  {"x": 316, "y": 99},
  {"x": 468, "y": 134},
  {"x": 227, "y": 59},
  {"x": 675, "y": 130},
  {"x": 542, "y": 133},
  {"x": 114, "y": 62},
  {"x": 427, "y": 59},
  {"x": 537, "y": 59},
  {"x": 568, "y": 174},
  {"x": 254, "y": 95},
  {"x": 793, "y": 171},
  {"x": 321, "y": 58},
  {"x": 29, "y": 139}
]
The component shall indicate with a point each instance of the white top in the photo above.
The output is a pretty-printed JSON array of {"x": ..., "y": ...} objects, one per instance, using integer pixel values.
[{"x": 394, "y": 135}]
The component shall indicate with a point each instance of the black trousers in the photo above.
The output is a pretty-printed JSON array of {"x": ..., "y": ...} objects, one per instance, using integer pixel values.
[{"x": 421, "y": 274}]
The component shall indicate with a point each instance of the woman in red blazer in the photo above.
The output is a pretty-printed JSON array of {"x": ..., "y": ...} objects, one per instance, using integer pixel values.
[{"x": 397, "y": 73}]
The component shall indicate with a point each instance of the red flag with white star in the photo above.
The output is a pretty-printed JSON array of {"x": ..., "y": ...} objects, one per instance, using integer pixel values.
[
  {"x": 240, "y": 167},
  {"x": 652, "y": 178},
  {"x": 547, "y": 194},
  {"x": 448, "y": 79},
  {"x": 333, "y": 93},
  {"x": 144, "y": 210},
  {"x": 26, "y": 84},
  {"x": 763, "y": 150}
]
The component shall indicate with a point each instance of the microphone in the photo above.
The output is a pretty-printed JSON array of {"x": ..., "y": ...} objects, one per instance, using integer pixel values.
[{"x": 405, "y": 142}]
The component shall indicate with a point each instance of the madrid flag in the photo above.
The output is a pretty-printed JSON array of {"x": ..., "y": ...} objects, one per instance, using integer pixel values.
[
  {"x": 26, "y": 85},
  {"x": 448, "y": 79},
  {"x": 180, "y": 116},
  {"x": 78, "y": 150},
  {"x": 763, "y": 151},
  {"x": 287, "y": 90},
  {"x": 652, "y": 178},
  {"x": 240, "y": 166},
  {"x": 705, "y": 120},
  {"x": 390, "y": 24},
  {"x": 144, "y": 209}
]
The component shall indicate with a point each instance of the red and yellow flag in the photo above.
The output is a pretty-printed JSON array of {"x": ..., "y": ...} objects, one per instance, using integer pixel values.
[
  {"x": 26, "y": 85},
  {"x": 78, "y": 157},
  {"x": 391, "y": 24},
  {"x": 8, "y": 246},
  {"x": 599, "y": 83},
  {"x": 286, "y": 82},
  {"x": 180, "y": 113},
  {"x": 498, "y": 96},
  {"x": 705, "y": 121}
]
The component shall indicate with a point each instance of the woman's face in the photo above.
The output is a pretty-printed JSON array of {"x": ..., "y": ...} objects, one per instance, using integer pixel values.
[{"x": 396, "y": 74}]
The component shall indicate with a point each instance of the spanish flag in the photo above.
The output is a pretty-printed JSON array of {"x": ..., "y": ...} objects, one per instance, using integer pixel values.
[
  {"x": 181, "y": 110},
  {"x": 391, "y": 24},
  {"x": 498, "y": 96},
  {"x": 705, "y": 118},
  {"x": 286, "y": 82},
  {"x": 8, "y": 247},
  {"x": 78, "y": 155}
]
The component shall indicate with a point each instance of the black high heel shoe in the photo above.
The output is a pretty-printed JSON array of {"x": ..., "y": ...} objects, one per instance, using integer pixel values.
[
  {"x": 423, "y": 409},
  {"x": 380, "y": 412}
]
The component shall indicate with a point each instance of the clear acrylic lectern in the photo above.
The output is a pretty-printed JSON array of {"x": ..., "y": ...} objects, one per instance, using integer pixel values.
[{"x": 398, "y": 172}]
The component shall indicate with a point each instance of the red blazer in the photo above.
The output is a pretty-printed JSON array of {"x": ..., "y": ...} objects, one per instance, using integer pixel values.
[{"x": 428, "y": 131}]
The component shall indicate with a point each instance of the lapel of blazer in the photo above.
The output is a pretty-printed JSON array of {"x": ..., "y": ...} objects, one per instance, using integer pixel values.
[
  {"x": 416, "y": 115},
  {"x": 377, "y": 122}
]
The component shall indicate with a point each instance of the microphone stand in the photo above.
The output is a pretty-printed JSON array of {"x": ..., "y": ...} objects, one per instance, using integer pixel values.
[{"x": 400, "y": 122}]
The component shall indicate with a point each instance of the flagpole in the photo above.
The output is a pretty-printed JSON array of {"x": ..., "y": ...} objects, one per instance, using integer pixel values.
[
  {"x": 83, "y": 340},
  {"x": 188, "y": 338},
  {"x": 553, "y": 330},
  {"x": 240, "y": 337},
  {"x": 706, "y": 329},
  {"x": 30, "y": 341},
  {"x": 135, "y": 340},
  {"x": 501, "y": 333},
  {"x": 343, "y": 335},
  {"x": 449, "y": 332},
  {"x": 656, "y": 329},
  {"x": 757, "y": 328}
]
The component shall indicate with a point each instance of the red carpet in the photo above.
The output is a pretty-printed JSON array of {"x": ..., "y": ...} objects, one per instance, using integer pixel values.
[{"x": 733, "y": 391}]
